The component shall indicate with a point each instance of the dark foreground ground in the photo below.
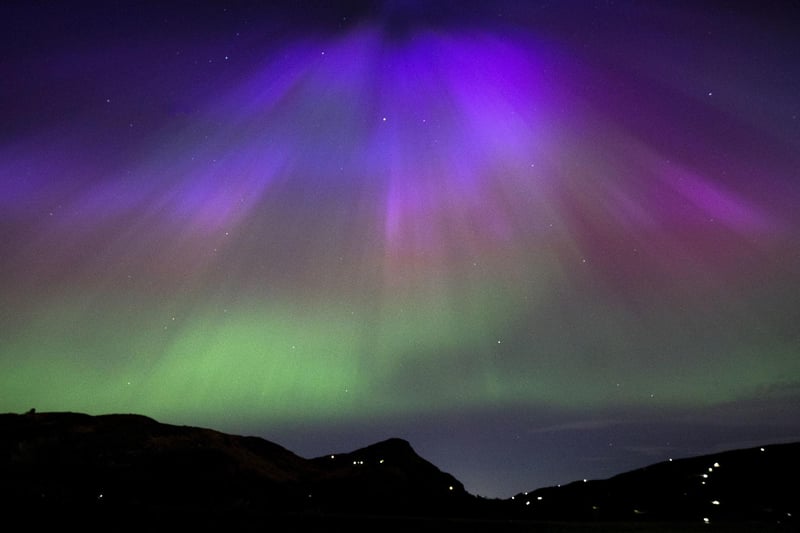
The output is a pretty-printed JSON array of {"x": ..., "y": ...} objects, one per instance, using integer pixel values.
[
  {"x": 454, "y": 525},
  {"x": 319, "y": 524}
]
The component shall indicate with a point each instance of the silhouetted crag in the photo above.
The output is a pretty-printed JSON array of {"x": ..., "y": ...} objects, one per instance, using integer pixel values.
[{"x": 386, "y": 478}]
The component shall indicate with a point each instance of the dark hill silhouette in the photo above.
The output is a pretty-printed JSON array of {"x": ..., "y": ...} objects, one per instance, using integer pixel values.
[
  {"x": 387, "y": 477},
  {"x": 757, "y": 484},
  {"x": 76, "y": 460},
  {"x": 76, "y": 463},
  {"x": 129, "y": 472}
]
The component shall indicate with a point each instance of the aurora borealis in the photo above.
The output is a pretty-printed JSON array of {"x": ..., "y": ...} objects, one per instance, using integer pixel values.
[{"x": 541, "y": 241}]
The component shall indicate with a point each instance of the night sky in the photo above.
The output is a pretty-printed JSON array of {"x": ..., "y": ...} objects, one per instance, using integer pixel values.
[{"x": 541, "y": 241}]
